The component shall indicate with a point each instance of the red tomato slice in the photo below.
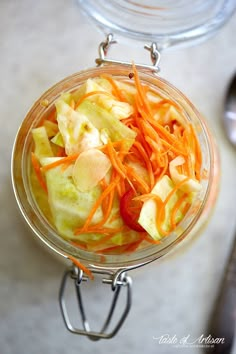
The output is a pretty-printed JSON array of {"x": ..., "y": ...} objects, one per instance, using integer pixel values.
[{"x": 130, "y": 210}]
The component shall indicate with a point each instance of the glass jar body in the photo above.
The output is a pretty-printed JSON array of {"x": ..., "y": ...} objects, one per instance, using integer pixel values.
[{"x": 192, "y": 223}]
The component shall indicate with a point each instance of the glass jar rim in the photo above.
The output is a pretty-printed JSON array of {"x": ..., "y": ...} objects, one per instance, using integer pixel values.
[{"x": 29, "y": 208}]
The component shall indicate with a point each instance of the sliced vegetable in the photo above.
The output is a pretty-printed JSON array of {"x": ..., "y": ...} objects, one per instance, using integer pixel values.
[
  {"x": 51, "y": 128},
  {"x": 77, "y": 131},
  {"x": 69, "y": 206},
  {"x": 42, "y": 144},
  {"x": 120, "y": 165},
  {"x": 191, "y": 185},
  {"x": 151, "y": 209},
  {"x": 101, "y": 119},
  {"x": 89, "y": 168}
]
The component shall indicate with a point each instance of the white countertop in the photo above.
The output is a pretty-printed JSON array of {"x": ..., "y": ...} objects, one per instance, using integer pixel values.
[{"x": 40, "y": 43}]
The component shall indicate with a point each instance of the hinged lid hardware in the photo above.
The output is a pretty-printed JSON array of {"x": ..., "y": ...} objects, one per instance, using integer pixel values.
[
  {"x": 116, "y": 280},
  {"x": 105, "y": 45}
]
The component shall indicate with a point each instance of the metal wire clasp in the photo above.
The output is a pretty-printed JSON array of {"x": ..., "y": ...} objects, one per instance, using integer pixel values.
[
  {"x": 105, "y": 45},
  {"x": 116, "y": 280}
]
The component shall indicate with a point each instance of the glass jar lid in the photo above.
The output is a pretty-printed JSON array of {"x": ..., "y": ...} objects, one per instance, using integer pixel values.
[{"x": 169, "y": 23}]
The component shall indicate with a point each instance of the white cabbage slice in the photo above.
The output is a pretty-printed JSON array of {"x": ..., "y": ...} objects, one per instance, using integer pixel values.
[
  {"x": 102, "y": 119},
  {"x": 51, "y": 128},
  {"x": 149, "y": 212},
  {"x": 191, "y": 185},
  {"x": 76, "y": 129},
  {"x": 42, "y": 143},
  {"x": 69, "y": 206}
]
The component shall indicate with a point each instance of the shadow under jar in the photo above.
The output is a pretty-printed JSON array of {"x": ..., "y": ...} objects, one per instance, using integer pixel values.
[{"x": 113, "y": 265}]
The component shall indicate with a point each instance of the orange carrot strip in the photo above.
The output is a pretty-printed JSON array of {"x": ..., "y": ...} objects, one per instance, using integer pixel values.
[
  {"x": 147, "y": 162},
  {"x": 176, "y": 208},
  {"x": 106, "y": 238},
  {"x": 89, "y": 94},
  {"x": 98, "y": 230},
  {"x": 67, "y": 159},
  {"x": 162, "y": 209},
  {"x": 162, "y": 131},
  {"x": 37, "y": 168},
  {"x": 164, "y": 169},
  {"x": 116, "y": 89},
  {"x": 77, "y": 244},
  {"x": 116, "y": 163},
  {"x": 140, "y": 90},
  {"x": 99, "y": 201},
  {"x": 81, "y": 266},
  {"x": 198, "y": 154},
  {"x": 149, "y": 239}
]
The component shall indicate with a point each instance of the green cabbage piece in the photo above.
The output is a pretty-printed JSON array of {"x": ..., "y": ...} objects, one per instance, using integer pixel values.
[
  {"x": 102, "y": 119},
  {"x": 42, "y": 143},
  {"x": 68, "y": 205},
  {"x": 149, "y": 211},
  {"x": 76, "y": 129}
]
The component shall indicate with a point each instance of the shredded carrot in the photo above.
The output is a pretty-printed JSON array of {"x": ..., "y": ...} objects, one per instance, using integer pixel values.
[
  {"x": 37, "y": 168},
  {"x": 115, "y": 88},
  {"x": 62, "y": 161},
  {"x": 78, "y": 244},
  {"x": 161, "y": 212},
  {"x": 176, "y": 208},
  {"x": 99, "y": 202},
  {"x": 160, "y": 137},
  {"x": 117, "y": 164},
  {"x": 140, "y": 91},
  {"x": 81, "y": 266},
  {"x": 89, "y": 94},
  {"x": 98, "y": 230},
  {"x": 198, "y": 154},
  {"x": 151, "y": 240},
  {"x": 144, "y": 156}
]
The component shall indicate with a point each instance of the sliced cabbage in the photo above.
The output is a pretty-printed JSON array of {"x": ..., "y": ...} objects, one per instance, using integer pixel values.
[
  {"x": 68, "y": 205},
  {"x": 77, "y": 131},
  {"x": 42, "y": 143},
  {"x": 149, "y": 211},
  {"x": 90, "y": 167},
  {"x": 191, "y": 185},
  {"x": 102, "y": 119},
  {"x": 89, "y": 86},
  {"x": 51, "y": 128},
  {"x": 58, "y": 140},
  {"x": 119, "y": 109}
]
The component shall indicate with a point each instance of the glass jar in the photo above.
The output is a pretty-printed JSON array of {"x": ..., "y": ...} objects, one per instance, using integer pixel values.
[
  {"x": 113, "y": 266},
  {"x": 169, "y": 23}
]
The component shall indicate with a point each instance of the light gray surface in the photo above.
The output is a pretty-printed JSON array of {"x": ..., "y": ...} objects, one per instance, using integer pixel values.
[{"x": 40, "y": 43}]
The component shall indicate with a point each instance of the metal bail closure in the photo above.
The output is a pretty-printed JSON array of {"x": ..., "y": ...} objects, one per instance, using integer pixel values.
[
  {"x": 116, "y": 280},
  {"x": 105, "y": 45}
]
